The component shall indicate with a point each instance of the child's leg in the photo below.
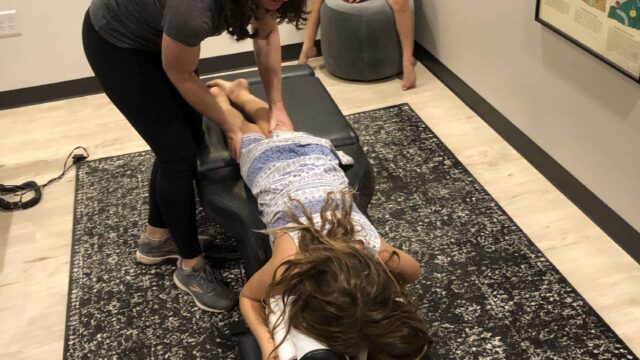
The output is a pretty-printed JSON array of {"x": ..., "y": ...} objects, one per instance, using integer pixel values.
[
  {"x": 257, "y": 109},
  {"x": 404, "y": 26},
  {"x": 310, "y": 31},
  {"x": 234, "y": 115}
]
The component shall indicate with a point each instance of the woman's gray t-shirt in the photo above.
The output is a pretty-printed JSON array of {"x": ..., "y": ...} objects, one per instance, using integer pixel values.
[{"x": 139, "y": 24}]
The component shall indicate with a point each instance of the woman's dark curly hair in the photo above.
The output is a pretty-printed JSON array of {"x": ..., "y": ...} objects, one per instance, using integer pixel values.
[
  {"x": 342, "y": 296},
  {"x": 237, "y": 15}
]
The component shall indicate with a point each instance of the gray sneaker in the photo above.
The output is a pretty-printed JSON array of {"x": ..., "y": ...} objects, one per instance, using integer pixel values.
[
  {"x": 156, "y": 251},
  {"x": 152, "y": 252},
  {"x": 205, "y": 286}
]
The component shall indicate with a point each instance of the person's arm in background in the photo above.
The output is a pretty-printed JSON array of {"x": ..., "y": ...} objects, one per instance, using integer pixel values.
[
  {"x": 269, "y": 59},
  {"x": 179, "y": 62}
]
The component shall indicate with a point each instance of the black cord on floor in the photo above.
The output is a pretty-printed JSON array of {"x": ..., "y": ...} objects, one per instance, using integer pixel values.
[{"x": 76, "y": 155}]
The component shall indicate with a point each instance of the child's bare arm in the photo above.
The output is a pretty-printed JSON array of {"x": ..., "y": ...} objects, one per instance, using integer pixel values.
[{"x": 256, "y": 289}]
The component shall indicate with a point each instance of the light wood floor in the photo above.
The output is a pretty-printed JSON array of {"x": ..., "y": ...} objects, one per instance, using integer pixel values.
[{"x": 35, "y": 244}]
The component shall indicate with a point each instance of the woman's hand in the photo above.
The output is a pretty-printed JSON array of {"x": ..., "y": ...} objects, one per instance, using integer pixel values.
[{"x": 279, "y": 119}]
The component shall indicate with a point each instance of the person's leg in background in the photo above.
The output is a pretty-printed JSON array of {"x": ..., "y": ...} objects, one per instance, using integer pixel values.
[
  {"x": 311, "y": 31},
  {"x": 136, "y": 83},
  {"x": 404, "y": 26}
]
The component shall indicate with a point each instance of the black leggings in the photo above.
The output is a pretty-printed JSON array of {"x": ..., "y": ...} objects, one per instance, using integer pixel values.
[{"x": 136, "y": 83}]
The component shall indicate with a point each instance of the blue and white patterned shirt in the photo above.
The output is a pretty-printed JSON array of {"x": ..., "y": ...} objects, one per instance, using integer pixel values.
[{"x": 297, "y": 165}]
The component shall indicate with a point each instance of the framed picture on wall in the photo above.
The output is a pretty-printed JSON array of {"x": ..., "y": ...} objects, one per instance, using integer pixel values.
[{"x": 608, "y": 29}]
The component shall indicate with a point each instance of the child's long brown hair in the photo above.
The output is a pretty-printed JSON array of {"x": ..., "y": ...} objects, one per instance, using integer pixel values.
[{"x": 343, "y": 297}]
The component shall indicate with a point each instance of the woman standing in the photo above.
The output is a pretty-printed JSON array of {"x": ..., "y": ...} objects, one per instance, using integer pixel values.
[{"x": 145, "y": 54}]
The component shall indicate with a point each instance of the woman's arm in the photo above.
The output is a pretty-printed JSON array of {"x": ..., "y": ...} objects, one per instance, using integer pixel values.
[
  {"x": 405, "y": 264},
  {"x": 179, "y": 62},
  {"x": 255, "y": 290},
  {"x": 269, "y": 59}
]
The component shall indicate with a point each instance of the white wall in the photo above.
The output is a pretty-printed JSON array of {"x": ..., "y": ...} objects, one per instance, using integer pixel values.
[
  {"x": 579, "y": 110},
  {"x": 50, "y": 48}
]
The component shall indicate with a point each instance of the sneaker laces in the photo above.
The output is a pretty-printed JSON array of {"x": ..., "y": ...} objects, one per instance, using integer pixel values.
[{"x": 212, "y": 276}]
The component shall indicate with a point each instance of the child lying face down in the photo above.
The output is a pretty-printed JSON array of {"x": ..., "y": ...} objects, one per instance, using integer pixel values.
[{"x": 343, "y": 285}]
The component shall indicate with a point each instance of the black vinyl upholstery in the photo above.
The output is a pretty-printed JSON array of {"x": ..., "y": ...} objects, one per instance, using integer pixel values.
[
  {"x": 321, "y": 355},
  {"x": 247, "y": 348},
  {"x": 253, "y": 77}
]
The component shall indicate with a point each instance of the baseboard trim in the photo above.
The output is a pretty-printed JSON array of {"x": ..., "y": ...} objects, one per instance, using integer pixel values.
[
  {"x": 597, "y": 210},
  {"x": 49, "y": 92},
  {"x": 89, "y": 86}
]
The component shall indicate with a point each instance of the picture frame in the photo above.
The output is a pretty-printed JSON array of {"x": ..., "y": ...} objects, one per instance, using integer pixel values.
[{"x": 607, "y": 29}]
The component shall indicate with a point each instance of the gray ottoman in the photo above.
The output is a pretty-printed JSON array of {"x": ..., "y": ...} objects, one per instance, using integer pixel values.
[{"x": 359, "y": 41}]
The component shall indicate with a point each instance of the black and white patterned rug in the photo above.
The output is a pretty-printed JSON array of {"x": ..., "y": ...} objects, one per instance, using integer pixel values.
[{"x": 486, "y": 290}]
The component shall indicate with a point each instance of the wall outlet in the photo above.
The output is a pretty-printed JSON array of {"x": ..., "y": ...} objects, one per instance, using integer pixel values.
[{"x": 8, "y": 24}]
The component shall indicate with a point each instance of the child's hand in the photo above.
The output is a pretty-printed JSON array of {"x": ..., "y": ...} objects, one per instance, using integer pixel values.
[{"x": 266, "y": 348}]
